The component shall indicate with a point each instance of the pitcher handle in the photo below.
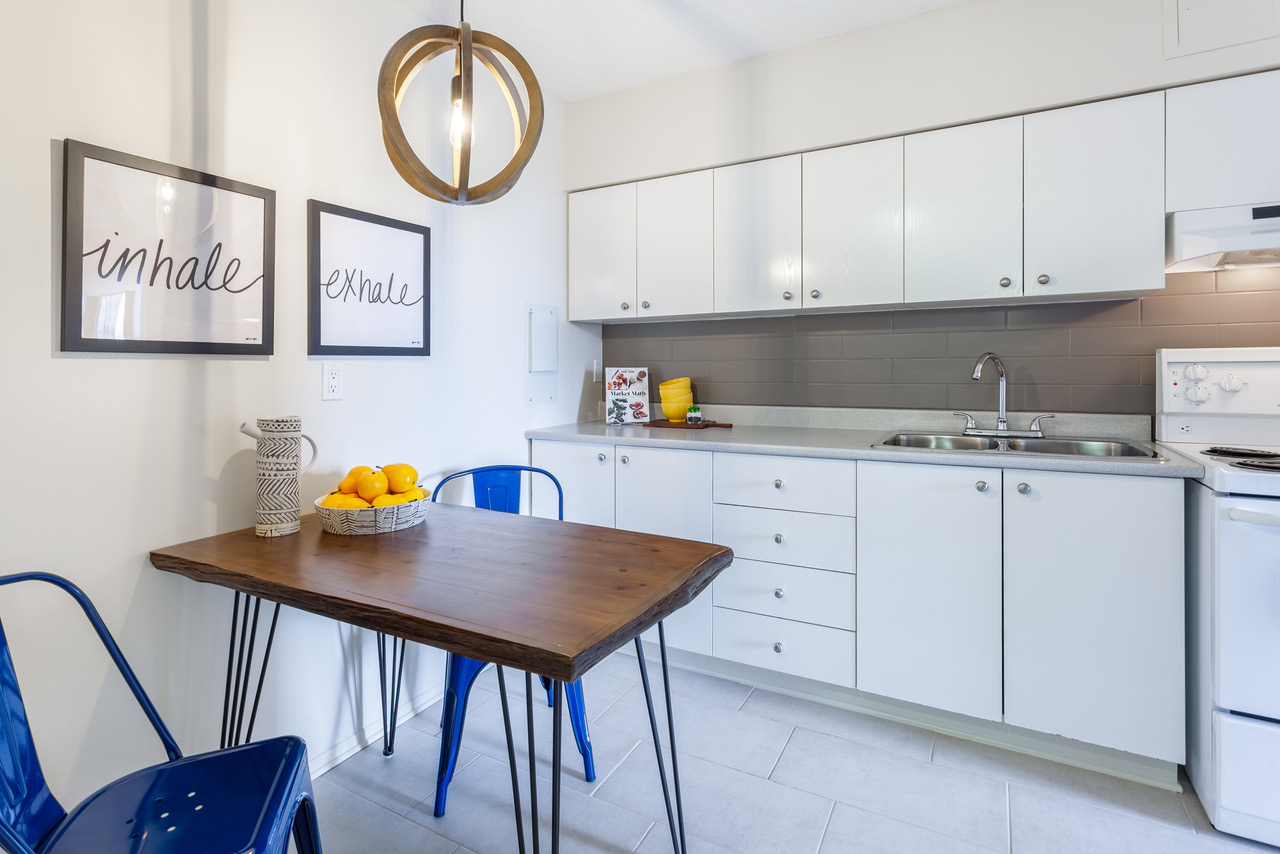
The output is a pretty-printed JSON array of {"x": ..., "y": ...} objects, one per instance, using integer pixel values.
[{"x": 314, "y": 454}]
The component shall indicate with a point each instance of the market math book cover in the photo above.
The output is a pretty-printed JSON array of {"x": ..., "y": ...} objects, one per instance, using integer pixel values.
[{"x": 626, "y": 396}]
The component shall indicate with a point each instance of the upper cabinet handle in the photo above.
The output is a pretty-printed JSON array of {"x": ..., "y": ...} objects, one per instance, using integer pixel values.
[
  {"x": 625, "y": 307},
  {"x": 1043, "y": 278},
  {"x": 815, "y": 294},
  {"x": 786, "y": 295},
  {"x": 1006, "y": 282}
]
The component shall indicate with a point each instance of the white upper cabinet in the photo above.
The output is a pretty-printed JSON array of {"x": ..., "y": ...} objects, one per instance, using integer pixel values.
[
  {"x": 963, "y": 205},
  {"x": 602, "y": 253},
  {"x": 853, "y": 225},
  {"x": 757, "y": 235},
  {"x": 1094, "y": 200},
  {"x": 673, "y": 245},
  {"x": 1222, "y": 143}
]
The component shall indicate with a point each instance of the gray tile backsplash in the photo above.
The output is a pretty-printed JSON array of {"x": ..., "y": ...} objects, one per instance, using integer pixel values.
[{"x": 1073, "y": 357}]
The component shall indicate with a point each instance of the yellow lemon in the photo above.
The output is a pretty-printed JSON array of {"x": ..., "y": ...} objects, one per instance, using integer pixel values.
[
  {"x": 371, "y": 484},
  {"x": 391, "y": 498},
  {"x": 415, "y": 494},
  {"x": 400, "y": 477},
  {"x": 342, "y": 501},
  {"x": 348, "y": 484}
]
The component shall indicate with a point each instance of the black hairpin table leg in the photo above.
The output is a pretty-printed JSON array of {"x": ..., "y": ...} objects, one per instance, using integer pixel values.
[
  {"x": 240, "y": 664},
  {"x": 676, "y": 821},
  {"x": 390, "y": 676}
]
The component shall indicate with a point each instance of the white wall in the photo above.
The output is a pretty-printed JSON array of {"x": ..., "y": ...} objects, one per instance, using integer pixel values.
[
  {"x": 107, "y": 457},
  {"x": 974, "y": 60}
]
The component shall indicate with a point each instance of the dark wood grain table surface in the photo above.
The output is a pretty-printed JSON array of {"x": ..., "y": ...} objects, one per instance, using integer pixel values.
[{"x": 536, "y": 594}]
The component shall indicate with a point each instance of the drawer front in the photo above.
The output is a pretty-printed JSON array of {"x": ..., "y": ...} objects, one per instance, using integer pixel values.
[
  {"x": 791, "y": 592},
  {"x": 785, "y": 536},
  {"x": 786, "y": 483},
  {"x": 814, "y": 652}
]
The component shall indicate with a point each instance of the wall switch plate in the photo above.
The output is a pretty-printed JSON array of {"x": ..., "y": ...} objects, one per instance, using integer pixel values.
[
  {"x": 331, "y": 381},
  {"x": 597, "y": 371}
]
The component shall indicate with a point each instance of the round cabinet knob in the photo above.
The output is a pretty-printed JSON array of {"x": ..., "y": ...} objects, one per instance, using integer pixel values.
[
  {"x": 815, "y": 294},
  {"x": 1197, "y": 393},
  {"x": 981, "y": 486},
  {"x": 626, "y": 306},
  {"x": 1024, "y": 488},
  {"x": 777, "y": 647},
  {"x": 1043, "y": 278},
  {"x": 1006, "y": 282},
  {"x": 777, "y": 538},
  {"x": 1196, "y": 372},
  {"x": 644, "y": 304},
  {"x": 777, "y": 484},
  {"x": 1231, "y": 382},
  {"x": 600, "y": 457},
  {"x": 624, "y": 459},
  {"x": 778, "y": 593},
  {"x": 786, "y": 295}
]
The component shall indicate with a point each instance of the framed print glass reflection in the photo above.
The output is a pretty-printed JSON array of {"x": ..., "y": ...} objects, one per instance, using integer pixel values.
[
  {"x": 162, "y": 259},
  {"x": 368, "y": 284}
]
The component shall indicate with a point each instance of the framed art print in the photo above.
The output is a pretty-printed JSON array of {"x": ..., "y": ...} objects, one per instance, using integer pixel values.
[
  {"x": 368, "y": 284},
  {"x": 162, "y": 259}
]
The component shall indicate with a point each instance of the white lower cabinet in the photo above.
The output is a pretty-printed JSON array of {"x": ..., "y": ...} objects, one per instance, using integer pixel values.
[
  {"x": 929, "y": 586},
  {"x": 788, "y": 646},
  {"x": 585, "y": 472}
]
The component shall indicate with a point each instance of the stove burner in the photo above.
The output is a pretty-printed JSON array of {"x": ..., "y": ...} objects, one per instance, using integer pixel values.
[
  {"x": 1241, "y": 453},
  {"x": 1258, "y": 465}
]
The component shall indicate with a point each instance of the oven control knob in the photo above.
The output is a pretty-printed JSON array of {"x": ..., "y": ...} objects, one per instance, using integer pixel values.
[
  {"x": 1231, "y": 382},
  {"x": 1196, "y": 372},
  {"x": 1197, "y": 394}
]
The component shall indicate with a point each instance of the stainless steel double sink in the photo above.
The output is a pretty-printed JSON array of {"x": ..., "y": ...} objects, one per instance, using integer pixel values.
[{"x": 1070, "y": 447}]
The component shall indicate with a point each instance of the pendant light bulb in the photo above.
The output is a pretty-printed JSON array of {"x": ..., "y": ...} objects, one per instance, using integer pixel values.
[{"x": 458, "y": 124}]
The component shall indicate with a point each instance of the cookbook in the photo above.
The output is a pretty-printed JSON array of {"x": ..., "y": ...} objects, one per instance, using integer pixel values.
[{"x": 626, "y": 396}]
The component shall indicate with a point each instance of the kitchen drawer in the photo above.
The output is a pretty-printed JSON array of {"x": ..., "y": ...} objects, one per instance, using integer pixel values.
[
  {"x": 787, "y": 646},
  {"x": 792, "y": 592},
  {"x": 786, "y": 483},
  {"x": 785, "y": 536}
]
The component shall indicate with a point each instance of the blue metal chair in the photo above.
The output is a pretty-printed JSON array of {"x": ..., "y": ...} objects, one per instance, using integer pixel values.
[
  {"x": 496, "y": 488},
  {"x": 242, "y": 799}
]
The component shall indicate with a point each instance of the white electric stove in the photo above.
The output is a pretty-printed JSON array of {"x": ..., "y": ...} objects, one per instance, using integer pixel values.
[{"x": 1221, "y": 407}]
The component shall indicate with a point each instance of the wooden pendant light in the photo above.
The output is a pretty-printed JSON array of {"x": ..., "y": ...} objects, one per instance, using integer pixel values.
[{"x": 411, "y": 54}]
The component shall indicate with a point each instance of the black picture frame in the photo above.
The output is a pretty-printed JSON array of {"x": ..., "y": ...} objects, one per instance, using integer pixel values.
[
  {"x": 368, "y": 284},
  {"x": 210, "y": 290}
]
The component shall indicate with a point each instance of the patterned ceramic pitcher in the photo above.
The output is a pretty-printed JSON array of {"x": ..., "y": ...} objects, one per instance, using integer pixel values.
[{"x": 279, "y": 465}]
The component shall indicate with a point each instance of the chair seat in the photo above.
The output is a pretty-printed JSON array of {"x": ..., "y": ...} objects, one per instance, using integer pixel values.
[{"x": 228, "y": 801}]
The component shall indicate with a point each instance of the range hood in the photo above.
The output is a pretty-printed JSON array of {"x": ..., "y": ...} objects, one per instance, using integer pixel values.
[{"x": 1222, "y": 238}]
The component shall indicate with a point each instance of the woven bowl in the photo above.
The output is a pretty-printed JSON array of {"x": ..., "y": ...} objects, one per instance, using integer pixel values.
[{"x": 371, "y": 520}]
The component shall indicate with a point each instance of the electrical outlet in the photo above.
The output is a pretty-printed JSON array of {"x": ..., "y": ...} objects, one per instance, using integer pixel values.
[
  {"x": 1185, "y": 428},
  {"x": 331, "y": 381}
]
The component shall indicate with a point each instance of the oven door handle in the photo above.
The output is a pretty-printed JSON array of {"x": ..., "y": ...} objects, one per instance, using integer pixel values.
[{"x": 1253, "y": 518}]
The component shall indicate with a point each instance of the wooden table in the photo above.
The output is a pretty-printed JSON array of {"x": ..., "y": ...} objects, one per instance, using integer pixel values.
[{"x": 548, "y": 597}]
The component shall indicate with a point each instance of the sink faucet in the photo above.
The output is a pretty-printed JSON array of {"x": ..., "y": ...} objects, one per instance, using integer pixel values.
[{"x": 1002, "y": 418}]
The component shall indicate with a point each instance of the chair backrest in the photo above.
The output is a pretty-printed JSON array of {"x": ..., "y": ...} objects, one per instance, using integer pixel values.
[
  {"x": 28, "y": 810},
  {"x": 498, "y": 487}
]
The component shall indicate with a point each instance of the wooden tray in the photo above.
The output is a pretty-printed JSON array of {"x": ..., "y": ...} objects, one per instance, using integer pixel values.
[{"x": 681, "y": 425}]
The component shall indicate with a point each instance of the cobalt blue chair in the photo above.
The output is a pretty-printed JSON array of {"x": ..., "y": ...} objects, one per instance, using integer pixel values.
[
  {"x": 242, "y": 799},
  {"x": 496, "y": 488}
]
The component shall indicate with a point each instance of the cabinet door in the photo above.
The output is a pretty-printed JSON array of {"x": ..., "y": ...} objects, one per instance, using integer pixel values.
[
  {"x": 1094, "y": 212},
  {"x": 673, "y": 245},
  {"x": 853, "y": 225},
  {"x": 757, "y": 235},
  {"x": 963, "y": 203},
  {"x": 667, "y": 491},
  {"x": 929, "y": 585},
  {"x": 1222, "y": 143},
  {"x": 1093, "y": 609},
  {"x": 602, "y": 253},
  {"x": 585, "y": 472}
]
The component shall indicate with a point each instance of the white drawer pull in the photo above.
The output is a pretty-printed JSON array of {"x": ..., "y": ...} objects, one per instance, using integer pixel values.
[
  {"x": 1253, "y": 517},
  {"x": 600, "y": 457},
  {"x": 777, "y": 538},
  {"x": 778, "y": 593},
  {"x": 777, "y": 484},
  {"x": 777, "y": 647}
]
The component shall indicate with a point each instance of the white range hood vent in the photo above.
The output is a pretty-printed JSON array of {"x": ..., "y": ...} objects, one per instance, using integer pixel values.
[{"x": 1222, "y": 238}]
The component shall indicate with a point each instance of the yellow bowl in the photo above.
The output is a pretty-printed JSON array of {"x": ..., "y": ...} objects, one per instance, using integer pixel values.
[
  {"x": 677, "y": 396},
  {"x": 675, "y": 411},
  {"x": 673, "y": 385}
]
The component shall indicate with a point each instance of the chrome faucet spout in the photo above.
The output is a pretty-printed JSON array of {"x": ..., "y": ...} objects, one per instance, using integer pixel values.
[{"x": 1002, "y": 417}]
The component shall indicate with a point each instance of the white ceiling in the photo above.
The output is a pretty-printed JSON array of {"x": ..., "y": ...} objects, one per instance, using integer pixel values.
[{"x": 582, "y": 48}]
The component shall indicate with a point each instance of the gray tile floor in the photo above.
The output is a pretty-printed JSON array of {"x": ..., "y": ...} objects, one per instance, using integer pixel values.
[{"x": 762, "y": 773}]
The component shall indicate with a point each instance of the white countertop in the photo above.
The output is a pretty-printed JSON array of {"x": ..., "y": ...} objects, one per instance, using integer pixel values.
[{"x": 855, "y": 443}]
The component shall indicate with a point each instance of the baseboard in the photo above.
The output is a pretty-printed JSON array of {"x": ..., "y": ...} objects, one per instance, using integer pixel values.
[
  {"x": 1104, "y": 760},
  {"x": 324, "y": 760}
]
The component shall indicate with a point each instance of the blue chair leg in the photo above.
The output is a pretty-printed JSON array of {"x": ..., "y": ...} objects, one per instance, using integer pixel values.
[
  {"x": 460, "y": 675},
  {"x": 546, "y": 686},
  {"x": 578, "y": 718}
]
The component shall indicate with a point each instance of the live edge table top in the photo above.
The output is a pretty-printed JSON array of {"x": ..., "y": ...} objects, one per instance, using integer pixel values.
[{"x": 535, "y": 594}]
